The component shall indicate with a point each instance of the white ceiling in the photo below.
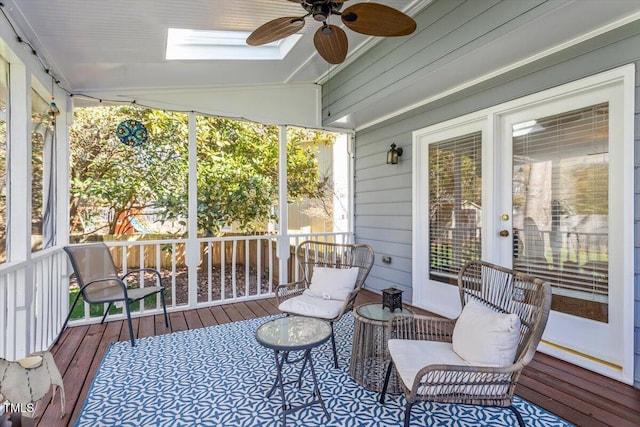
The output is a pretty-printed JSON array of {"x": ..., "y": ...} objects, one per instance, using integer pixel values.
[
  {"x": 120, "y": 44},
  {"x": 116, "y": 48}
]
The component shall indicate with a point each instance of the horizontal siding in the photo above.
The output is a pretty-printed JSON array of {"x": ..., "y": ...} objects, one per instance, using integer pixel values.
[
  {"x": 383, "y": 183},
  {"x": 447, "y": 30},
  {"x": 385, "y": 196},
  {"x": 383, "y": 208}
]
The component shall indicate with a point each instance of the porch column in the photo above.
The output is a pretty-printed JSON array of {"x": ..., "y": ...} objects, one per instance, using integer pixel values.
[
  {"x": 283, "y": 211},
  {"x": 19, "y": 291},
  {"x": 192, "y": 250}
]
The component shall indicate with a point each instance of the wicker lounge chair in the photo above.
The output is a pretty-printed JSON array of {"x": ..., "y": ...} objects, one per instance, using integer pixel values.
[
  {"x": 331, "y": 276},
  {"x": 432, "y": 355}
]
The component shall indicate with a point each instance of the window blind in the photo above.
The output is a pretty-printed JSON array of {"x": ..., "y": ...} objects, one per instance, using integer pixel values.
[
  {"x": 560, "y": 205},
  {"x": 455, "y": 204}
]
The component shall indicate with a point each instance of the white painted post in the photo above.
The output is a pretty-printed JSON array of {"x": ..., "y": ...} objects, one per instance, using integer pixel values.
[
  {"x": 19, "y": 204},
  {"x": 283, "y": 212},
  {"x": 192, "y": 250},
  {"x": 65, "y": 103}
]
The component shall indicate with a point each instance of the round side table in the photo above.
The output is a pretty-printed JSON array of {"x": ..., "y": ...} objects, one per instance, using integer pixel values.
[
  {"x": 291, "y": 334},
  {"x": 369, "y": 354}
]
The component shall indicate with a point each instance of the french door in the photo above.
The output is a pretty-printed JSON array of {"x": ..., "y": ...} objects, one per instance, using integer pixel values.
[{"x": 543, "y": 186}]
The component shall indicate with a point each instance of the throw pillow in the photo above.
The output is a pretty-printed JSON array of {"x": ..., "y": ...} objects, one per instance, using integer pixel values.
[
  {"x": 486, "y": 337},
  {"x": 332, "y": 283}
]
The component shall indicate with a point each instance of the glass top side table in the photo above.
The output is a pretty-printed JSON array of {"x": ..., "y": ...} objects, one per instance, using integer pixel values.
[
  {"x": 376, "y": 312},
  {"x": 288, "y": 334},
  {"x": 369, "y": 353},
  {"x": 293, "y": 333}
]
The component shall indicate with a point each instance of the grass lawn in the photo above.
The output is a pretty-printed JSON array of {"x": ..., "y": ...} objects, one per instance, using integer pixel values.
[{"x": 97, "y": 310}]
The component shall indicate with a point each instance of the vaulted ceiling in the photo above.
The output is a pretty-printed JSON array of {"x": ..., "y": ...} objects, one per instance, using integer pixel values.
[{"x": 116, "y": 48}]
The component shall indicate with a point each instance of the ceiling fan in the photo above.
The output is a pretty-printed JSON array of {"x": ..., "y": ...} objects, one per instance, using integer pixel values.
[{"x": 372, "y": 19}]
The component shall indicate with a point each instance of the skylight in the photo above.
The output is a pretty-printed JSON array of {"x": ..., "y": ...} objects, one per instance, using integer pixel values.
[{"x": 184, "y": 44}]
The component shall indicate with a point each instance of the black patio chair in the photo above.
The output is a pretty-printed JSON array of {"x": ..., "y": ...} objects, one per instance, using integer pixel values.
[{"x": 100, "y": 282}]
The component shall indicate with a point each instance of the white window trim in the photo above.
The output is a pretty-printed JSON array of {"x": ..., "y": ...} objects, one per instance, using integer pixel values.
[{"x": 420, "y": 251}]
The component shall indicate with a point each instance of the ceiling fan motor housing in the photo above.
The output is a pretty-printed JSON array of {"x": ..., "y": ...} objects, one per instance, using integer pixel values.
[{"x": 321, "y": 9}]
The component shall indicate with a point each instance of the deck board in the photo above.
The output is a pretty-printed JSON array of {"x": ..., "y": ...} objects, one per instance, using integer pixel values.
[
  {"x": 193, "y": 320},
  {"x": 577, "y": 395},
  {"x": 220, "y": 315},
  {"x": 206, "y": 317},
  {"x": 233, "y": 313}
]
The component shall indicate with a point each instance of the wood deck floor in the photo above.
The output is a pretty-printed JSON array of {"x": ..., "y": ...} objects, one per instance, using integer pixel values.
[{"x": 577, "y": 395}]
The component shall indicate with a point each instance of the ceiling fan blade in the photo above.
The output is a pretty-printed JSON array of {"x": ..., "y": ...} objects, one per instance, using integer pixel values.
[
  {"x": 331, "y": 43},
  {"x": 375, "y": 19},
  {"x": 276, "y": 29}
]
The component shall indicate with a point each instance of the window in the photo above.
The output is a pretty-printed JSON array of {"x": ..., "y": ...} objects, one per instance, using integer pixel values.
[
  {"x": 204, "y": 45},
  {"x": 561, "y": 206},
  {"x": 455, "y": 204}
]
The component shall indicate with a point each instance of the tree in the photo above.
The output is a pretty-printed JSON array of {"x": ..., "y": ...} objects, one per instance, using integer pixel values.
[
  {"x": 106, "y": 173},
  {"x": 238, "y": 173},
  {"x": 236, "y": 167}
]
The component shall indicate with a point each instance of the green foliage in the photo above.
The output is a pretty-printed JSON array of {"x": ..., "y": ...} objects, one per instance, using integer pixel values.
[
  {"x": 452, "y": 174},
  {"x": 108, "y": 174},
  {"x": 237, "y": 168},
  {"x": 591, "y": 194}
]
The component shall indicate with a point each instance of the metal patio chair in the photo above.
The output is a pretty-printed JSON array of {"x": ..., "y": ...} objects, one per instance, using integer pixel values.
[
  {"x": 100, "y": 282},
  {"x": 429, "y": 362},
  {"x": 331, "y": 276}
]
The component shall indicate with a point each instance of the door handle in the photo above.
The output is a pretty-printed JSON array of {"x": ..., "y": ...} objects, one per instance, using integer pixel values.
[{"x": 504, "y": 233}]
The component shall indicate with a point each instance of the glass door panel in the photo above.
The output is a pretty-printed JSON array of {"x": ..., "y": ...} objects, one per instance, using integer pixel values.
[
  {"x": 562, "y": 181},
  {"x": 560, "y": 207},
  {"x": 455, "y": 205}
]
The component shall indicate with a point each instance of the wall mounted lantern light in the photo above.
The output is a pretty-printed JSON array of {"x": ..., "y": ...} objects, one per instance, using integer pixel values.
[{"x": 393, "y": 154}]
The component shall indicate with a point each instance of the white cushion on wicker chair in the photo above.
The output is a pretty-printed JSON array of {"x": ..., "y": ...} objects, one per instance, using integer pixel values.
[
  {"x": 311, "y": 306},
  {"x": 410, "y": 356},
  {"x": 332, "y": 283},
  {"x": 485, "y": 337}
]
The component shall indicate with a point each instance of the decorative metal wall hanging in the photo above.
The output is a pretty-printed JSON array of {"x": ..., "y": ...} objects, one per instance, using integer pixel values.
[{"x": 132, "y": 132}]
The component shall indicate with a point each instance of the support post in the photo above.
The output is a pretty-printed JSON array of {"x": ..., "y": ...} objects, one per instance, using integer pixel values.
[
  {"x": 192, "y": 249},
  {"x": 283, "y": 212}
]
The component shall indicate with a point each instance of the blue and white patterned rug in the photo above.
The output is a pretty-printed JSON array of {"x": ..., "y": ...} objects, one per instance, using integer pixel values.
[{"x": 219, "y": 376}]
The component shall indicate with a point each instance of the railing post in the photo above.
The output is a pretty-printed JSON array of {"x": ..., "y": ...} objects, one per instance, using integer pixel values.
[
  {"x": 283, "y": 212},
  {"x": 192, "y": 251}
]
